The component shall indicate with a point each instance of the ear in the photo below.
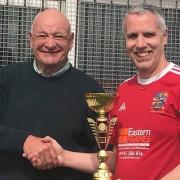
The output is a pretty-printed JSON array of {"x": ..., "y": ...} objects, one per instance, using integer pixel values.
[
  {"x": 71, "y": 41},
  {"x": 30, "y": 38},
  {"x": 165, "y": 37}
]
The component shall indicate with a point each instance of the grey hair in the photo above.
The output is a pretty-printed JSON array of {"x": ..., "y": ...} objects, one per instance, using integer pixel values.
[{"x": 145, "y": 8}]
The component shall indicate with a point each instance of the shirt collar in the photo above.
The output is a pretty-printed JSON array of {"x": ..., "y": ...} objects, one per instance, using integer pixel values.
[
  {"x": 155, "y": 78},
  {"x": 58, "y": 73}
]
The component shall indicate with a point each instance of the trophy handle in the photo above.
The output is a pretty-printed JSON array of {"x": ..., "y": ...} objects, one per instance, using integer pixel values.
[
  {"x": 111, "y": 125},
  {"x": 94, "y": 128}
]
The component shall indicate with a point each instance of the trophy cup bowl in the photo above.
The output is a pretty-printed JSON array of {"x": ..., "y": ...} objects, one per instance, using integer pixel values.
[
  {"x": 102, "y": 129},
  {"x": 100, "y": 101}
]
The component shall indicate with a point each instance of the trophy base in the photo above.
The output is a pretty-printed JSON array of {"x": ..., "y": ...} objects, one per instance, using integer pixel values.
[
  {"x": 102, "y": 172},
  {"x": 102, "y": 176}
]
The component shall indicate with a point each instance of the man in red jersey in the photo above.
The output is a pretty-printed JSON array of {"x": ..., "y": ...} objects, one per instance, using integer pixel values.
[{"x": 147, "y": 134}]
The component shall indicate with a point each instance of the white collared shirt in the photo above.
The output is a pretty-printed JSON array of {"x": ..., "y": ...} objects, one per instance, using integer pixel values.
[{"x": 59, "y": 72}]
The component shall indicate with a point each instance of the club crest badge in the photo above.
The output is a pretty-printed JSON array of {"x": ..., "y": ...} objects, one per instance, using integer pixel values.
[{"x": 159, "y": 100}]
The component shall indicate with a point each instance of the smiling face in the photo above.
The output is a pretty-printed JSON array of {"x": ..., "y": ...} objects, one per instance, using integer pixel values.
[
  {"x": 51, "y": 39},
  {"x": 145, "y": 43}
]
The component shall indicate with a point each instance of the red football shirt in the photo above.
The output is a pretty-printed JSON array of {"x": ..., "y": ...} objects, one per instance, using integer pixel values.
[{"x": 147, "y": 134}]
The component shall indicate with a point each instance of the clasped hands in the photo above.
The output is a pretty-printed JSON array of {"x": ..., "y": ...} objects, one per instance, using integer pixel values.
[{"x": 44, "y": 153}]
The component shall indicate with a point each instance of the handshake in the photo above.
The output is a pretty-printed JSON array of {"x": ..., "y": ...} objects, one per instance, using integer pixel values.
[{"x": 44, "y": 153}]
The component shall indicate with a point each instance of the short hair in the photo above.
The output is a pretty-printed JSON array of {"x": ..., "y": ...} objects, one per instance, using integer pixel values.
[{"x": 145, "y": 8}]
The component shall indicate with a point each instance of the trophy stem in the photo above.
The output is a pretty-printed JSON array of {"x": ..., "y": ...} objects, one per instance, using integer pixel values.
[{"x": 102, "y": 172}]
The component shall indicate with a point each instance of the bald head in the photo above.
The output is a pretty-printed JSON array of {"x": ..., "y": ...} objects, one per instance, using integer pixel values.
[{"x": 51, "y": 17}]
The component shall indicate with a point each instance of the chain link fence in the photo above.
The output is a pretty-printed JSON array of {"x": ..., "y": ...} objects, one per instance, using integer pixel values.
[{"x": 99, "y": 47}]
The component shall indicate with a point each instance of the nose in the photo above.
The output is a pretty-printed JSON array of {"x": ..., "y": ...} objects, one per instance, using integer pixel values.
[
  {"x": 140, "y": 42},
  {"x": 50, "y": 43}
]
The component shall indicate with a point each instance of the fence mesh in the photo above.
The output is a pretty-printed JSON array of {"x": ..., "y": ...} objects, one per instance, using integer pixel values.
[{"x": 99, "y": 47}]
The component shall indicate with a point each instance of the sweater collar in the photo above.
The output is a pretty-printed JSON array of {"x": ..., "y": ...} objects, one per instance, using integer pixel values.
[{"x": 58, "y": 73}]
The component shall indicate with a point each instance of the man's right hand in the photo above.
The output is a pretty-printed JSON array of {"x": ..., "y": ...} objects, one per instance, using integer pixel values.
[{"x": 42, "y": 154}]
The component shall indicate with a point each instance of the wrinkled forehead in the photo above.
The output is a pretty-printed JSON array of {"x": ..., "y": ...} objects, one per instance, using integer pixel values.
[{"x": 51, "y": 29}]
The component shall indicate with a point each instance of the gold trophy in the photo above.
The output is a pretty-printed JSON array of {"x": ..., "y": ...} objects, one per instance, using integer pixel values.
[{"x": 102, "y": 129}]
